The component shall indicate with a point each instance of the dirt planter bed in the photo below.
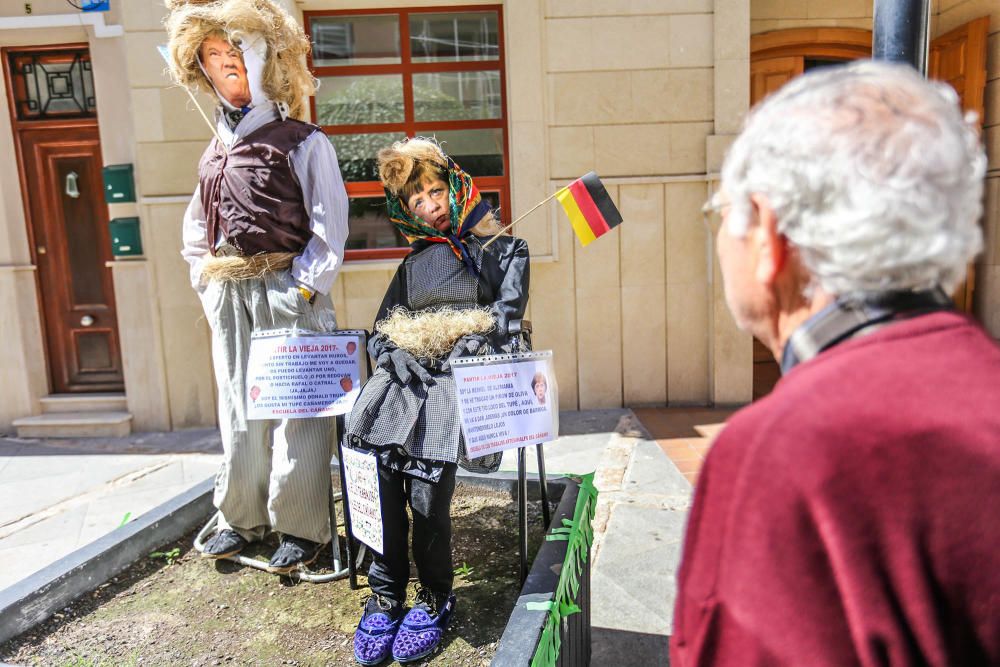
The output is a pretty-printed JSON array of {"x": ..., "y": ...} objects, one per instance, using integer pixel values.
[{"x": 112, "y": 604}]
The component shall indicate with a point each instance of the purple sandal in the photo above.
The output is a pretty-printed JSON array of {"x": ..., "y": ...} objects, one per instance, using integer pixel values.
[
  {"x": 373, "y": 640},
  {"x": 423, "y": 626}
]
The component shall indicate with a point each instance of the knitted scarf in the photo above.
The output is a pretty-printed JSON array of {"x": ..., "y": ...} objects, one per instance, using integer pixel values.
[{"x": 466, "y": 207}]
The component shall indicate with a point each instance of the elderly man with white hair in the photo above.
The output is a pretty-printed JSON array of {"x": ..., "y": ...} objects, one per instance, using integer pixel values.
[{"x": 850, "y": 517}]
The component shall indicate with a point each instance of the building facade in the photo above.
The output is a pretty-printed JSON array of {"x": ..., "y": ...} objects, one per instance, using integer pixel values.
[{"x": 528, "y": 94}]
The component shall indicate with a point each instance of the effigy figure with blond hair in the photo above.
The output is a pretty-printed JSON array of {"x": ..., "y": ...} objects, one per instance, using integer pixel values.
[
  {"x": 451, "y": 297},
  {"x": 264, "y": 236}
]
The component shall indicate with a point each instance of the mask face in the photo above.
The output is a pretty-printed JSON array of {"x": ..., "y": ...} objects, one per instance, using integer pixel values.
[
  {"x": 430, "y": 204},
  {"x": 223, "y": 63}
]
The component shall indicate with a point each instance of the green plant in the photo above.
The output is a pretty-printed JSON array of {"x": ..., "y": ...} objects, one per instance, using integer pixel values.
[
  {"x": 463, "y": 571},
  {"x": 169, "y": 556},
  {"x": 128, "y": 515}
]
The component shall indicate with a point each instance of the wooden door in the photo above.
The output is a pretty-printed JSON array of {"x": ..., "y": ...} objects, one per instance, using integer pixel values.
[
  {"x": 770, "y": 74},
  {"x": 959, "y": 59},
  {"x": 766, "y": 76},
  {"x": 69, "y": 224},
  {"x": 53, "y": 112}
]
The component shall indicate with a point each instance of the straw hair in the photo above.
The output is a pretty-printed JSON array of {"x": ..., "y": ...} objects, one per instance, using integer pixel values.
[
  {"x": 285, "y": 79},
  {"x": 410, "y": 162},
  {"x": 223, "y": 269},
  {"x": 433, "y": 333}
]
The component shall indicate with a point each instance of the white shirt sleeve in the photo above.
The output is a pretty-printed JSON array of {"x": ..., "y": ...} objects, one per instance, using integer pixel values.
[
  {"x": 194, "y": 234},
  {"x": 315, "y": 164}
]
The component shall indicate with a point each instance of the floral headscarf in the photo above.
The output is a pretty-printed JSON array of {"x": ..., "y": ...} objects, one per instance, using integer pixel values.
[{"x": 466, "y": 207}]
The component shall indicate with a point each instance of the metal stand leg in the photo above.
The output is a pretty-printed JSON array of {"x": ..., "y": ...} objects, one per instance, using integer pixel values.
[
  {"x": 352, "y": 563},
  {"x": 522, "y": 512},
  {"x": 546, "y": 517}
]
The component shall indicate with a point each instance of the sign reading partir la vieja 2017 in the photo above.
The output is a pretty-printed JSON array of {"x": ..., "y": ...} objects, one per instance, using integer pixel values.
[
  {"x": 297, "y": 374},
  {"x": 506, "y": 401}
]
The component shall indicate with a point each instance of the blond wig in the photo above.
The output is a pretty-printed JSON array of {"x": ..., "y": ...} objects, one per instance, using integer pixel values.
[
  {"x": 406, "y": 165},
  {"x": 285, "y": 79}
]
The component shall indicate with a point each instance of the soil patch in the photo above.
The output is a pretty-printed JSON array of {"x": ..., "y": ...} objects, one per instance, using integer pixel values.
[{"x": 195, "y": 611}]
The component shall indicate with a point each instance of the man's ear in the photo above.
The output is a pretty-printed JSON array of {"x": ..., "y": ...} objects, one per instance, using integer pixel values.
[{"x": 771, "y": 247}]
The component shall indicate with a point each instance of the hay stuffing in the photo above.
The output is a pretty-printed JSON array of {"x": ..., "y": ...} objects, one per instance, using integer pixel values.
[
  {"x": 285, "y": 78},
  {"x": 245, "y": 268},
  {"x": 433, "y": 333}
]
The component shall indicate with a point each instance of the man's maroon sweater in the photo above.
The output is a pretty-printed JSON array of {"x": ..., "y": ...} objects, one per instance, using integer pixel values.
[{"x": 852, "y": 517}]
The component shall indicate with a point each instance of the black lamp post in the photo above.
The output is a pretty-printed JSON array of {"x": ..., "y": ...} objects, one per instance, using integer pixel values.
[{"x": 901, "y": 31}]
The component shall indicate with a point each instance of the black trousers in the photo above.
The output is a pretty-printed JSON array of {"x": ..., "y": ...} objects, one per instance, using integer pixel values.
[{"x": 431, "y": 505}]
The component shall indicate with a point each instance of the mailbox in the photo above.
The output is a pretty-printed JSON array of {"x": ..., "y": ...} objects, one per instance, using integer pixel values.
[
  {"x": 125, "y": 238},
  {"x": 119, "y": 184}
]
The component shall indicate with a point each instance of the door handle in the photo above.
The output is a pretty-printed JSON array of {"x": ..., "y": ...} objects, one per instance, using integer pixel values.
[
  {"x": 72, "y": 190},
  {"x": 87, "y": 321}
]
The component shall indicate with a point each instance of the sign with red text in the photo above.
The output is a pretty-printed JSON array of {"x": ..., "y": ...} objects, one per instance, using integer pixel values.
[
  {"x": 298, "y": 374},
  {"x": 506, "y": 401},
  {"x": 361, "y": 480}
]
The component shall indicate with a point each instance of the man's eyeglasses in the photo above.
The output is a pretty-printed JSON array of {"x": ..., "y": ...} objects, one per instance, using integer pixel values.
[{"x": 712, "y": 214}]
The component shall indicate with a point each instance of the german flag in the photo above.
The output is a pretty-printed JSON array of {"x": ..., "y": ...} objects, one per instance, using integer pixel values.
[{"x": 589, "y": 207}]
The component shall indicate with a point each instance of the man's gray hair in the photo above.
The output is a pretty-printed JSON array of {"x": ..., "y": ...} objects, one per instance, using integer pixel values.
[{"x": 875, "y": 177}]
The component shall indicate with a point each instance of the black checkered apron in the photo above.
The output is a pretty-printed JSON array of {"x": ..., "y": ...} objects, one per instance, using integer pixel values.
[{"x": 422, "y": 420}]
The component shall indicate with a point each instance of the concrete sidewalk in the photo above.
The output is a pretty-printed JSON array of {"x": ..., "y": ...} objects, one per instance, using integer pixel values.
[{"x": 57, "y": 495}]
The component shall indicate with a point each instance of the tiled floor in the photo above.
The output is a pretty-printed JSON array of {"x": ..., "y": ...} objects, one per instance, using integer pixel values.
[{"x": 684, "y": 434}]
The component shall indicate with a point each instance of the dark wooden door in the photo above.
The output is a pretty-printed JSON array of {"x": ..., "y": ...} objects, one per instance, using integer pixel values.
[{"x": 68, "y": 217}]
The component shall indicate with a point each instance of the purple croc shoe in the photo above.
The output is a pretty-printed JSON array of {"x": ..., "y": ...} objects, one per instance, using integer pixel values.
[
  {"x": 423, "y": 626},
  {"x": 376, "y": 630}
]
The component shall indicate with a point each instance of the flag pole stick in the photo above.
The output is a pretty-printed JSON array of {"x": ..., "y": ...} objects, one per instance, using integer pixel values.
[
  {"x": 520, "y": 218},
  {"x": 211, "y": 126},
  {"x": 165, "y": 54}
]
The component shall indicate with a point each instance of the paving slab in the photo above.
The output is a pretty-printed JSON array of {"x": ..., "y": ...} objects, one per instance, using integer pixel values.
[
  {"x": 57, "y": 496},
  {"x": 582, "y": 439},
  {"x": 633, "y": 597},
  {"x": 641, "y": 513}
]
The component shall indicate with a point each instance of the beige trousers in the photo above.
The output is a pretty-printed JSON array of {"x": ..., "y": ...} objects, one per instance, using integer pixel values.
[{"x": 275, "y": 474}]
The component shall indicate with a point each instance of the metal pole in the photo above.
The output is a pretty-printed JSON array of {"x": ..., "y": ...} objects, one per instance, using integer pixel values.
[
  {"x": 901, "y": 32},
  {"x": 543, "y": 484},
  {"x": 352, "y": 568},
  {"x": 522, "y": 513}
]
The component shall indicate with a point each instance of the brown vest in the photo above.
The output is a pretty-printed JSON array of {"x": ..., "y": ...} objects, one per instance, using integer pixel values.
[{"x": 252, "y": 194}]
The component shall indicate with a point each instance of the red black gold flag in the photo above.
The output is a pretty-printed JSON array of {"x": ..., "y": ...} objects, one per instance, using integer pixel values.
[{"x": 589, "y": 207}]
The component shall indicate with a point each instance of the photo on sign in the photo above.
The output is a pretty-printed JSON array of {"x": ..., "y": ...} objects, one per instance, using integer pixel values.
[
  {"x": 297, "y": 374},
  {"x": 506, "y": 401}
]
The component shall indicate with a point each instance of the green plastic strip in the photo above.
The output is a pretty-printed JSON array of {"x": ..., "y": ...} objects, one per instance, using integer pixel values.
[{"x": 580, "y": 534}]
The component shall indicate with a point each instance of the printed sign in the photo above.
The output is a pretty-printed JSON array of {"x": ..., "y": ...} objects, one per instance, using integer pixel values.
[
  {"x": 297, "y": 374},
  {"x": 361, "y": 477},
  {"x": 506, "y": 401}
]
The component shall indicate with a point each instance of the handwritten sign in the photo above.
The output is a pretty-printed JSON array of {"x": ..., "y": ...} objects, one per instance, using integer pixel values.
[
  {"x": 361, "y": 477},
  {"x": 296, "y": 374},
  {"x": 506, "y": 401}
]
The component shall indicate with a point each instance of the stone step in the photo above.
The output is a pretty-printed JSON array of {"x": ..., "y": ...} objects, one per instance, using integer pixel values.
[
  {"x": 75, "y": 425},
  {"x": 83, "y": 403}
]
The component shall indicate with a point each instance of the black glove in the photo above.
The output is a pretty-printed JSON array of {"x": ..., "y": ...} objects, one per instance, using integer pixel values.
[
  {"x": 467, "y": 346},
  {"x": 403, "y": 366}
]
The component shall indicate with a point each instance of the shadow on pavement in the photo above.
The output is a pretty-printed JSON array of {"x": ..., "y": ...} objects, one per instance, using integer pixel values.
[{"x": 620, "y": 647}]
